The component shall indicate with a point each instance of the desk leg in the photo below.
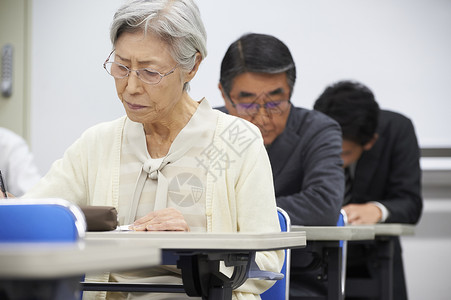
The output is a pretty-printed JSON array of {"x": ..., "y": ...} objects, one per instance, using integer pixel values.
[
  {"x": 220, "y": 287},
  {"x": 324, "y": 271},
  {"x": 379, "y": 283},
  {"x": 333, "y": 257},
  {"x": 201, "y": 277},
  {"x": 385, "y": 252}
]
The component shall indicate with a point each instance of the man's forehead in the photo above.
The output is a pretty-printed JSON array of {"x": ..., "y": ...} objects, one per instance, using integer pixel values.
[
  {"x": 257, "y": 83},
  {"x": 275, "y": 91}
]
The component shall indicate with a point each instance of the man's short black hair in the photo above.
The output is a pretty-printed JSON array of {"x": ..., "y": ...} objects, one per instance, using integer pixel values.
[
  {"x": 257, "y": 53},
  {"x": 353, "y": 106}
]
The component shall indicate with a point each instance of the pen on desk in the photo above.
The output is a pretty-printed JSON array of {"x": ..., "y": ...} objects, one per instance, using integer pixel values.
[{"x": 2, "y": 185}]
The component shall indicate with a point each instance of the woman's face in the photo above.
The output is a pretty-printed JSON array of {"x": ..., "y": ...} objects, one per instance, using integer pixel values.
[{"x": 145, "y": 103}]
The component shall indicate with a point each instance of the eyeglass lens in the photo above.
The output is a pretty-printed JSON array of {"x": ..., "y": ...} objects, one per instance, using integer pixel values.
[
  {"x": 118, "y": 70},
  {"x": 272, "y": 107}
]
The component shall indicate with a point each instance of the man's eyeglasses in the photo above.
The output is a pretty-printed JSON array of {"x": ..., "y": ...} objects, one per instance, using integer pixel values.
[
  {"x": 146, "y": 75},
  {"x": 251, "y": 109}
]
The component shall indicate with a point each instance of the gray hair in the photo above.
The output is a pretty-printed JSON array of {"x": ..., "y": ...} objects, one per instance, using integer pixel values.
[{"x": 177, "y": 22}]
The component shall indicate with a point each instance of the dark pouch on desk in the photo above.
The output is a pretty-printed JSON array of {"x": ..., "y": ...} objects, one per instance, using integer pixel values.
[{"x": 100, "y": 218}]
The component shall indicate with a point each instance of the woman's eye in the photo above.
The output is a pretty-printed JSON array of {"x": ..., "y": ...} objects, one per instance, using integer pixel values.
[
  {"x": 150, "y": 73},
  {"x": 122, "y": 68}
]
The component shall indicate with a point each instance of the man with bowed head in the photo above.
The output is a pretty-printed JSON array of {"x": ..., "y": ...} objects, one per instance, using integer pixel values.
[
  {"x": 381, "y": 160},
  {"x": 257, "y": 78}
]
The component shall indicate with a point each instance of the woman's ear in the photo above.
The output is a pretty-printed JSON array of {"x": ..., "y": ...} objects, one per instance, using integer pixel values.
[{"x": 193, "y": 71}]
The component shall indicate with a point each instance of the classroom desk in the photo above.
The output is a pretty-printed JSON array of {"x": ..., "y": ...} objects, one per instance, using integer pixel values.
[
  {"x": 325, "y": 242},
  {"x": 382, "y": 230},
  {"x": 53, "y": 270},
  {"x": 381, "y": 284},
  {"x": 333, "y": 233},
  {"x": 199, "y": 255}
]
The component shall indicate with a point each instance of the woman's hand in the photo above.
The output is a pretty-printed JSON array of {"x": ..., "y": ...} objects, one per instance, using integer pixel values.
[{"x": 167, "y": 219}]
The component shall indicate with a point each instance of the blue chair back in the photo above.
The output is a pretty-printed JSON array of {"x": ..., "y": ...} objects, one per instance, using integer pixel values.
[
  {"x": 280, "y": 290},
  {"x": 343, "y": 221},
  {"x": 40, "y": 220}
]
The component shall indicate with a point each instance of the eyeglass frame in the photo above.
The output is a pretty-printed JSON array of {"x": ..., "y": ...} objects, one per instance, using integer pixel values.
[
  {"x": 137, "y": 71},
  {"x": 234, "y": 105}
]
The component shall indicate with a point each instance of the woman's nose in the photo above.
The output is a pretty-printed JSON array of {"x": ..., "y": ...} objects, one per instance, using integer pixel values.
[{"x": 134, "y": 84}]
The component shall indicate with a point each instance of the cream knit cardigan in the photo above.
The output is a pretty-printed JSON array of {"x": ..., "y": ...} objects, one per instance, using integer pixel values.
[{"x": 241, "y": 200}]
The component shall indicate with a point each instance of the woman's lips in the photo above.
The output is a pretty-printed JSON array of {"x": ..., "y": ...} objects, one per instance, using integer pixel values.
[{"x": 134, "y": 106}]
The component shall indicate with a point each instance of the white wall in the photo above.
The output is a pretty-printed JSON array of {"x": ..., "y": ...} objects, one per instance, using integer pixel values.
[
  {"x": 401, "y": 49},
  {"x": 427, "y": 266}
]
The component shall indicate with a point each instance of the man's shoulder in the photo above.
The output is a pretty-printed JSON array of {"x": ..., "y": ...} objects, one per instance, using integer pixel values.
[
  {"x": 392, "y": 115},
  {"x": 222, "y": 108},
  {"x": 9, "y": 136},
  {"x": 393, "y": 120},
  {"x": 302, "y": 117},
  {"x": 10, "y": 142}
]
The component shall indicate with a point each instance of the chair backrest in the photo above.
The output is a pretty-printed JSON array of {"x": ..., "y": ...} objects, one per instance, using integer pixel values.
[
  {"x": 280, "y": 290},
  {"x": 40, "y": 220},
  {"x": 343, "y": 221}
]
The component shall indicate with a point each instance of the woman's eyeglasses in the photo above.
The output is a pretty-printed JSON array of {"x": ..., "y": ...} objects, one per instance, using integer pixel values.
[{"x": 149, "y": 76}]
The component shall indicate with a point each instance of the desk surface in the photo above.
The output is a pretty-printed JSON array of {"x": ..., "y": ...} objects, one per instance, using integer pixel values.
[
  {"x": 354, "y": 232},
  {"x": 393, "y": 229},
  {"x": 52, "y": 260},
  {"x": 113, "y": 251},
  {"x": 207, "y": 241},
  {"x": 333, "y": 233}
]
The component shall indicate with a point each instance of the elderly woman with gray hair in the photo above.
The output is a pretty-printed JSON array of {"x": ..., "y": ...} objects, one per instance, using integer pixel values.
[{"x": 172, "y": 163}]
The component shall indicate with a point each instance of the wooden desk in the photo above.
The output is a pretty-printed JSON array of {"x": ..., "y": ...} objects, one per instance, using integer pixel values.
[
  {"x": 381, "y": 284},
  {"x": 53, "y": 270},
  {"x": 199, "y": 255},
  {"x": 326, "y": 242}
]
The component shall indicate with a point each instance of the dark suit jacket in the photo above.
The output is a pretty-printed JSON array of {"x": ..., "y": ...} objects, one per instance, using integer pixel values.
[
  {"x": 309, "y": 183},
  {"x": 390, "y": 174},
  {"x": 307, "y": 168}
]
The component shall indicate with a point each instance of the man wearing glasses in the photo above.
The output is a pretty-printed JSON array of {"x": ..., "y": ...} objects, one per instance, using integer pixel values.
[{"x": 304, "y": 146}]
